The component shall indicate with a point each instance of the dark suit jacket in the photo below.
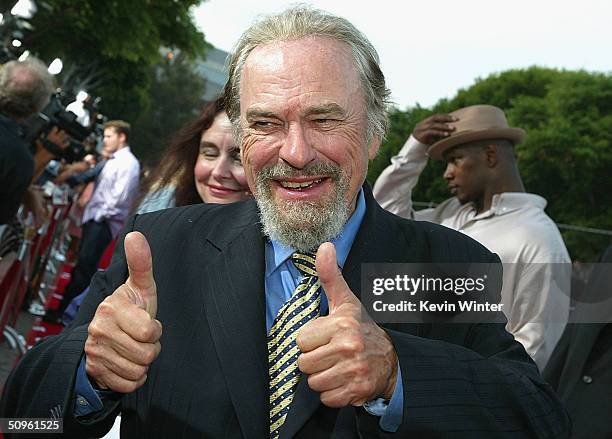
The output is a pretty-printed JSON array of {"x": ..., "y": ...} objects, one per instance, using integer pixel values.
[
  {"x": 580, "y": 367},
  {"x": 211, "y": 378},
  {"x": 16, "y": 168},
  {"x": 580, "y": 370}
]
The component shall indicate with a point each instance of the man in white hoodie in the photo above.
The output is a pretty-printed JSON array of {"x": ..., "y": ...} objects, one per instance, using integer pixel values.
[{"x": 490, "y": 205}]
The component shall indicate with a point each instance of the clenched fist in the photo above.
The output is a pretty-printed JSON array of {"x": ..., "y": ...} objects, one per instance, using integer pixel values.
[
  {"x": 349, "y": 359},
  {"x": 123, "y": 337}
]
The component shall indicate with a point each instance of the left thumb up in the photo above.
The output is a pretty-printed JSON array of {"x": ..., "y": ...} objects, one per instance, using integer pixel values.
[{"x": 334, "y": 285}]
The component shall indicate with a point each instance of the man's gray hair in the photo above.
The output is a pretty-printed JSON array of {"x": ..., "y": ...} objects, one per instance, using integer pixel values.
[
  {"x": 302, "y": 21},
  {"x": 25, "y": 88}
]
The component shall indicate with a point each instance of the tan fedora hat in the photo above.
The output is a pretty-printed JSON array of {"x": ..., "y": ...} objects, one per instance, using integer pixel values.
[{"x": 477, "y": 122}]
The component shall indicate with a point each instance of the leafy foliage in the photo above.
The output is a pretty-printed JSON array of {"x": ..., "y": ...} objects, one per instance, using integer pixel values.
[
  {"x": 175, "y": 98},
  {"x": 115, "y": 42},
  {"x": 566, "y": 156}
]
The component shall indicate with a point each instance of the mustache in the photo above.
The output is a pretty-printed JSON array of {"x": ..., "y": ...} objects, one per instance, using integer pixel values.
[{"x": 284, "y": 170}]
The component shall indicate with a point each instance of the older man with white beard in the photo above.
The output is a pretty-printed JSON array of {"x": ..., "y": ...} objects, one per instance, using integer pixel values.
[{"x": 263, "y": 335}]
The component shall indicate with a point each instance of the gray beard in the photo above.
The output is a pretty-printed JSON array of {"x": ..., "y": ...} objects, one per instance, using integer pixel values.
[{"x": 302, "y": 225}]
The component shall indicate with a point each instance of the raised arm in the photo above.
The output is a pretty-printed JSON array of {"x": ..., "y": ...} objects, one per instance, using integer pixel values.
[{"x": 393, "y": 188}]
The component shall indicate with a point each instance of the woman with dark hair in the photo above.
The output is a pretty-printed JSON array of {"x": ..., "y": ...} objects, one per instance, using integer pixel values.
[{"x": 202, "y": 164}]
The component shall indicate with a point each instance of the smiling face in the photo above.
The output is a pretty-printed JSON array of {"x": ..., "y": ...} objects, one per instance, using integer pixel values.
[
  {"x": 219, "y": 176},
  {"x": 304, "y": 151}
]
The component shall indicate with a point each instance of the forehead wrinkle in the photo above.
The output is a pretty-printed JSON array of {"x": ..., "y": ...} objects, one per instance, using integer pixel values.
[
  {"x": 283, "y": 62},
  {"x": 283, "y": 86}
]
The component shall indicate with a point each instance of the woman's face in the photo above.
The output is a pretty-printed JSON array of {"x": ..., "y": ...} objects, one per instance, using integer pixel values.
[{"x": 219, "y": 177}]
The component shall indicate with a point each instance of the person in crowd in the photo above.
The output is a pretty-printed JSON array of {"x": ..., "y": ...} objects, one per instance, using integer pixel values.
[
  {"x": 223, "y": 322},
  {"x": 580, "y": 367},
  {"x": 25, "y": 88},
  {"x": 490, "y": 205},
  {"x": 81, "y": 177},
  {"x": 202, "y": 164},
  {"x": 105, "y": 212}
]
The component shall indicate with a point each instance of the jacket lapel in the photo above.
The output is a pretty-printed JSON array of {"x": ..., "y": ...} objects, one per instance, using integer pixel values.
[
  {"x": 378, "y": 240},
  {"x": 233, "y": 283}
]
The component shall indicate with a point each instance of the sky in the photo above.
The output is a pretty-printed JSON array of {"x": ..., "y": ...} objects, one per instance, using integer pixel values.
[{"x": 431, "y": 49}]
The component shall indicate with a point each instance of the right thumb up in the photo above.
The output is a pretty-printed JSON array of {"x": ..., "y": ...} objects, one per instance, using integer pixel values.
[
  {"x": 123, "y": 336},
  {"x": 140, "y": 282}
]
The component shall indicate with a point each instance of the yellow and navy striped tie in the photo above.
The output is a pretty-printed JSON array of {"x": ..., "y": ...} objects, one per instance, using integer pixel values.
[{"x": 302, "y": 307}]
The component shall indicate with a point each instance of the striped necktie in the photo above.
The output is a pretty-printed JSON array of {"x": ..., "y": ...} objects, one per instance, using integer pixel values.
[{"x": 302, "y": 307}]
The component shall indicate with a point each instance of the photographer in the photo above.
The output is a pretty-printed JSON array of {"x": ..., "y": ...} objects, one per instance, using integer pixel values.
[{"x": 25, "y": 88}]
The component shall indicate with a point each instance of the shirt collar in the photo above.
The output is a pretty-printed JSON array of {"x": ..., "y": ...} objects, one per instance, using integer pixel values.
[
  {"x": 120, "y": 152},
  {"x": 277, "y": 253},
  {"x": 507, "y": 202}
]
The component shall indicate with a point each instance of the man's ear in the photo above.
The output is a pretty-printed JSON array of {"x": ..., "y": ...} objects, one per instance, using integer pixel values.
[
  {"x": 373, "y": 147},
  {"x": 122, "y": 138},
  {"x": 491, "y": 155}
]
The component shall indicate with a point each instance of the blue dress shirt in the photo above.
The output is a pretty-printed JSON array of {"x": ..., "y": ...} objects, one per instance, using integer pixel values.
[{"x": 281, "y": 279}]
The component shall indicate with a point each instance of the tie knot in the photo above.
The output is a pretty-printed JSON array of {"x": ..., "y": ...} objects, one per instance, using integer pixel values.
[{"x": 305, "y": 262}]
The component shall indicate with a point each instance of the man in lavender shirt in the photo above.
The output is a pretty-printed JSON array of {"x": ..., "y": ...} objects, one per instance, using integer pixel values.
[{"x": 105, "y": 213}]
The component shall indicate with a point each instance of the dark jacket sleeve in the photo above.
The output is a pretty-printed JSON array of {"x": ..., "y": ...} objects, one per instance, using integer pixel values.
[
  {"x": 487, "y": 388},
  {"x": 85, "y": 177},
  {"x": 42, "y": 384}
]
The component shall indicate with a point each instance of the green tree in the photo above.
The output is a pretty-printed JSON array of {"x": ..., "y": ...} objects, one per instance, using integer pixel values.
[
  {"x": 175, "y": 98},
  {"x": 115, "y": 42},
  {"x": 566, "y": 156}
]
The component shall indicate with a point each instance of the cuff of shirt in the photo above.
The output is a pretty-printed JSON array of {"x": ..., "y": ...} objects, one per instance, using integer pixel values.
[
  {"x": 390, "y": 412},
  {"x": 88, "y": 400},
  {"x": 412, "y": 146}
]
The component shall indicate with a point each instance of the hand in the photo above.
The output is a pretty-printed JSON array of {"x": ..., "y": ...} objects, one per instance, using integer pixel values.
[
  {"x": 59, "y": 137},
  {"x": 349, "y": 359},
  {"x": 123, "y": 337},
  {"x": 434, "y": 128}
]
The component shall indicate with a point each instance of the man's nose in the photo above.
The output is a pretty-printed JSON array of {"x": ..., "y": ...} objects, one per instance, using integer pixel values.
[
  {"x": 448, "y": 172},
  {"x": 297, "y": 150}
]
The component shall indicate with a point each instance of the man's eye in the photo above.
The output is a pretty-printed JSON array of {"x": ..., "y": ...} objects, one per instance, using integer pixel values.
[
  {"x": 324, "y": 121},
  {"x": 262, "y": 124}
]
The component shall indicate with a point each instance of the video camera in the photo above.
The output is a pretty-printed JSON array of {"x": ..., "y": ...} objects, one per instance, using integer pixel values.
[{"x": 55, "y": 115}]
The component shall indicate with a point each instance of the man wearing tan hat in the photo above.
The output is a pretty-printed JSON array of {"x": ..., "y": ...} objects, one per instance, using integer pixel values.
[{"x": 490, "y": 205}]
